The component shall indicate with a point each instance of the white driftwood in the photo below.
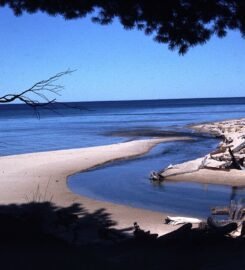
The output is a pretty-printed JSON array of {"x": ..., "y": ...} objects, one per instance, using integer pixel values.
[
  {"x": 230, "y": 153},
  {"x": 182, "y": 220}
]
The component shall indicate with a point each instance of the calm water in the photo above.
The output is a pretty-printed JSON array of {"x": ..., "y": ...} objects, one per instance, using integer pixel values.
[
  {"x": 127, "y": 183},
  {"x": 98, "y": 123}
]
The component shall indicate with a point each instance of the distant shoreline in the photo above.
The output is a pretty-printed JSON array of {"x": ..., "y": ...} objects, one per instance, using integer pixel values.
[{"x": 134, "y": 101}]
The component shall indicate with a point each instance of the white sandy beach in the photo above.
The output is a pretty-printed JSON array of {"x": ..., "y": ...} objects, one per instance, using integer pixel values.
[
  {"x": 45, "y": 173},
  {"x": 22, "y": 175}
]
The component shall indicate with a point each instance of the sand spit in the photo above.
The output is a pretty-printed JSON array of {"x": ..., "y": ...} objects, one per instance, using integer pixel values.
[
  {"x": 218, "y": 166},
  {"x": 43, "y": 176}
]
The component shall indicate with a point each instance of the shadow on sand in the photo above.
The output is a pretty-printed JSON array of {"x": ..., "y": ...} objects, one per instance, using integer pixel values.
[{"x": 44, "y": 236}]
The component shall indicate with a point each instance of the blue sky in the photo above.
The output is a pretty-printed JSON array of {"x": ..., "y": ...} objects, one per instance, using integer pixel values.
[{"x": 114, "y": 64}]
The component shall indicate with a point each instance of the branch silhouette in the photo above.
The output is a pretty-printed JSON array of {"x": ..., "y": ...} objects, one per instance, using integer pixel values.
[
  {"x": 181, "y": 24},
  {"x": 37, "y": 95}
]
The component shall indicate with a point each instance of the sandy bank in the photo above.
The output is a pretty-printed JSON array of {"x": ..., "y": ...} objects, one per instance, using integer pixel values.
[
  {"x": 22, "y": 175},
  {"x": 216, "y": 167}
]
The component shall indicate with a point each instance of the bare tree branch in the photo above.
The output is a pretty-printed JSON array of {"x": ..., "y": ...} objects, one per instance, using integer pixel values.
[
  {"x": 38, "y": 90},
  {"x": 37, "y": 95},
  {"x": 37, "y": 98}
]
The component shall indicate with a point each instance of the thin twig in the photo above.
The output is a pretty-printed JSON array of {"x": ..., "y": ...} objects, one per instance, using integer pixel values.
[{"x": 39, "y": 90}]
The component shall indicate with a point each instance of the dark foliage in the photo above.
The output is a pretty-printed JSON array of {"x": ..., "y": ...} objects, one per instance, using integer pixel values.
[
  {"x": 179, "y": 23},
  {"x": 44, "y": 236}
]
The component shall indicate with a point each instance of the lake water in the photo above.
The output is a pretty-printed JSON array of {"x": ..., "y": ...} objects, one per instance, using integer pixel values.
[{"x": 100, "y": 123}]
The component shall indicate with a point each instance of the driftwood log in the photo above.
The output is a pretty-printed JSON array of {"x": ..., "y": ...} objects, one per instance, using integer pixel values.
[
  {"x": 216, "y": 228},
  {"x": 230, "y": 153},
  {"x": 222, "y": 211},
  {"x": 156, "y": 176},
  {"x": 239, "y": 147},
  {"x": 236, "y": 164},
  {"x": 233, "y": 214}
]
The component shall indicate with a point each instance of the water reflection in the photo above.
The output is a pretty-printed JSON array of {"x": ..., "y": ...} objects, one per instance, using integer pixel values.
[{"x": 237, "y": 193}]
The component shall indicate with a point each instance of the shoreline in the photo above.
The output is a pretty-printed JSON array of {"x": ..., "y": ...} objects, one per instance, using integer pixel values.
[
  {"x": 211, "y": 169},
  {"x": 22, "y": 176}
]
